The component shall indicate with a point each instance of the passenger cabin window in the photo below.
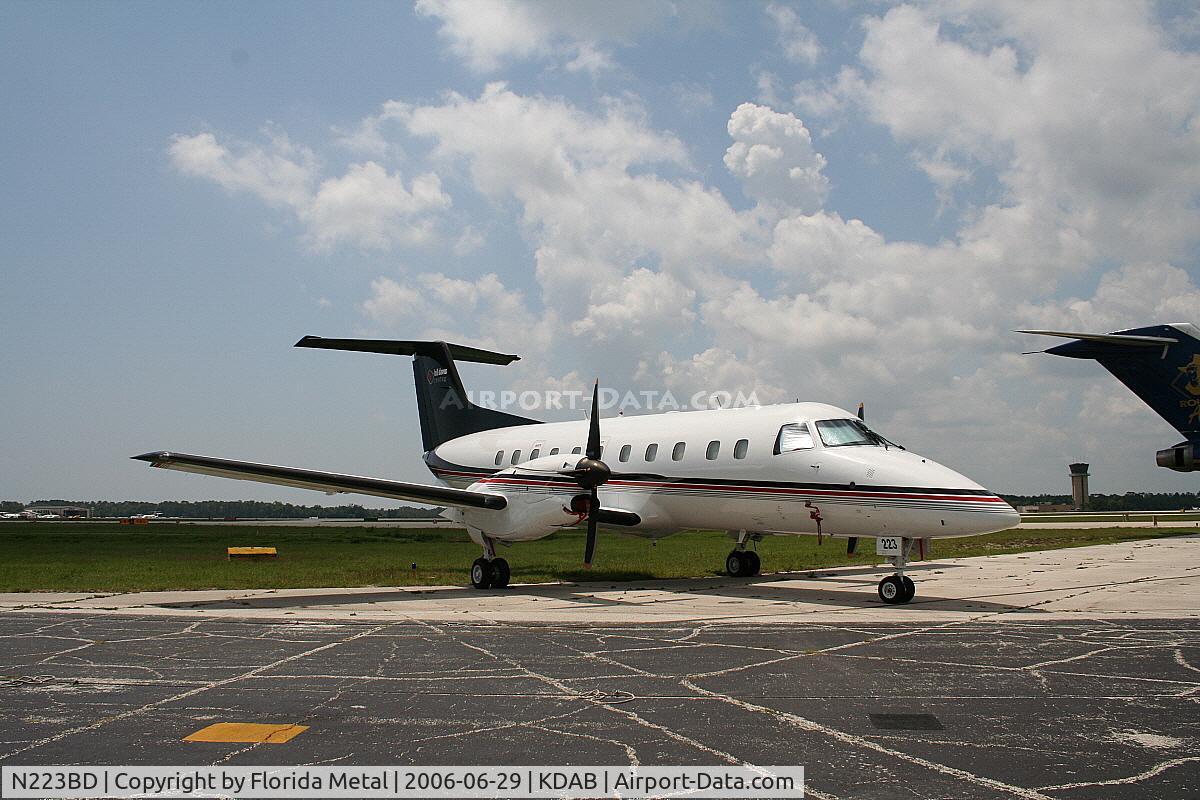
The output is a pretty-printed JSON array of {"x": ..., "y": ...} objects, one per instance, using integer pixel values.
[
  {"x": 741, "y": 448},
  {"x": 793, "y": 436},
  {"x": 537, "y": 452},
  {"x": 714, "y": 450},
  {"x": 625, "y": 451},
  {"x": 677, "y": 451},
  {"x": 651, "y": 452},
  {"x": 576, "y": 451},
  {"x": 499, "y": 457},
  {"x": 845, "y": 433},
  {"x": 553, "y": 451},
  {"x": 516, "y": 456}
]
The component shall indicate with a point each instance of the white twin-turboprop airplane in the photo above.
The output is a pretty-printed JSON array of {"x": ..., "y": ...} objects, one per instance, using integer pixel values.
[{"x": 790, "y": 469}]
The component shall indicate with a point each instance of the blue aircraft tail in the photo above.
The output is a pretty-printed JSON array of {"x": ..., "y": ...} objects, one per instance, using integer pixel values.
[{"x": 1161, "y": 365}]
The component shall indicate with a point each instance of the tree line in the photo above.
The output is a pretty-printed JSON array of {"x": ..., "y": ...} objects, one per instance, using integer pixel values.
[
  {"x": 1130, "y": 501},
  {"x": 221, "y": 509}
]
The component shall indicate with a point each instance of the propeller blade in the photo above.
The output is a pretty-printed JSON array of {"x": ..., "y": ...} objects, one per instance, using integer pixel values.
[
  {"x": 593, "y": 442},
  {"x": 589, "y": 547}
]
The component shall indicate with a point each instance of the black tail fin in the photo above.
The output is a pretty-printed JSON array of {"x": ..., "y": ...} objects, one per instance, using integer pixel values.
[
  {"x": 446, "y": 412},
  {"x": 1160, "y": 364}
]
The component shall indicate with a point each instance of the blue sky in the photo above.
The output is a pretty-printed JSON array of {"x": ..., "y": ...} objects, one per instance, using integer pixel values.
[{"x": 837, "y": 202}]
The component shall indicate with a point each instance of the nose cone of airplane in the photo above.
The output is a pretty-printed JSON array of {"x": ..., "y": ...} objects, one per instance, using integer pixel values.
[
  {"x": 964, "y": 508},
  {"x": 1008, "y": 516}
]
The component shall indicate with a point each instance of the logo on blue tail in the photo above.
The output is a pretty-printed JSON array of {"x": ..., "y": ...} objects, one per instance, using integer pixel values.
[{"x": 1187, "y": 383}]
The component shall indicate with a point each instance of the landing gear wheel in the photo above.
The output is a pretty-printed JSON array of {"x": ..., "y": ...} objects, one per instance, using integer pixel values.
[
  {"x": 501, "y": 573},
  {"x": 892, "y": 590},
  {"x": 910, "y": 588},
  {"x": 736, "y": 563},
  {"x": 754, "y": 565},
  {"x": 482, "y": 574}
]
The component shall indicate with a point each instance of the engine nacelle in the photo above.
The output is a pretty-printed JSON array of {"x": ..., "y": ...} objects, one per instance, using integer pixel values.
[
  {"x": 1183, "y": 457},
  {"x": 528, "y": 516}
]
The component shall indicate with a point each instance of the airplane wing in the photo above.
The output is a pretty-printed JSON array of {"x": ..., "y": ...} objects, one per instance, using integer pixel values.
[{"x": 331, "y": 482}]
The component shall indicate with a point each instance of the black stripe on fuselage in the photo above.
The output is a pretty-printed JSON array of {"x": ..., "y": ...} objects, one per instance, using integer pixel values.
[{"x": 440, "y": 468}]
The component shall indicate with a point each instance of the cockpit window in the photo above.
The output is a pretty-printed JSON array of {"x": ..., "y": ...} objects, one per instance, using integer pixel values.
[
  {"x": 793, "y": 436},
  {"x": 849, "y": 432}
]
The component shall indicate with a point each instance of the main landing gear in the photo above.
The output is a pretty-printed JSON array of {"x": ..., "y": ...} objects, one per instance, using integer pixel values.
[
  {"x": 490, "y": 572},
  {"x": 898, "y": 588},
  {"x": 742, "y": 563}
]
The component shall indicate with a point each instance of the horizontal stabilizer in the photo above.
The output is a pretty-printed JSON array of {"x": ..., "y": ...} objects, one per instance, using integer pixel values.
[
  {"x": 1109, "y": 338},
  {"x": 394, "y": 347},
  {"x": 322, "y": 481}
]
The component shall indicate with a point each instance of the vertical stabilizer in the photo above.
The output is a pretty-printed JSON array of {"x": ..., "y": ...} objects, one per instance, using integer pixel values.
[{"x": 1160, "y": 364}]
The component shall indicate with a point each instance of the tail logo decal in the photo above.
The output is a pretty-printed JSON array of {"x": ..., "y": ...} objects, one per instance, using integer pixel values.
[
  {"x": 436, "y": 375},
  {"x": 1187, "y": 383}
]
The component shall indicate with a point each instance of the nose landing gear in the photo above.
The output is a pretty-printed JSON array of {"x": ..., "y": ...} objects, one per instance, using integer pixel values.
[
  {"x": 743, "y": 563},
  {"x": 898, "y": 588}
]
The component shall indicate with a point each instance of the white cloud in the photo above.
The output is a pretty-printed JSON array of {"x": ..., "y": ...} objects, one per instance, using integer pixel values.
[
  {"x": 773, "y": 155},
  {"x": 367, "y": 206},
  {"x": 481, "y": 312},
  {"x": 372, "y": 208},
  {"x": 1054, "y": 99},
  {"x": 282, "y": 174},
  {"x": 487, "y": 33},
  {"x": 798, "y": 42},
  {"x": 643, "y": 305},
  {"x": 590, "y": 201}
]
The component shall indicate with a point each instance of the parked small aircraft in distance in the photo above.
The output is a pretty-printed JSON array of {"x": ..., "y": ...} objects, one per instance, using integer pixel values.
[
  {"x": 1161, "y": 365},
  {"x": 796, "y": 468}
]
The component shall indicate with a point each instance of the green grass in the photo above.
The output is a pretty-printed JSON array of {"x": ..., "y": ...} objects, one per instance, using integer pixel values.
[{"x": 103, "y": 557}]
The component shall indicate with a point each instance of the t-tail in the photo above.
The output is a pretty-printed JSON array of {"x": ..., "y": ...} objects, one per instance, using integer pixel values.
[
  {"x": 1161, "y": 365},
  {"x": 445, "y": 410}
]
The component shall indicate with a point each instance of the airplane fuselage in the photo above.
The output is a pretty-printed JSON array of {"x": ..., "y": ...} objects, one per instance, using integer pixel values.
[{"x": 726, "y": 469}]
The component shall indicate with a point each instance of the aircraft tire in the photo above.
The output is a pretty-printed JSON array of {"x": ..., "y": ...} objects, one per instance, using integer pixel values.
[
  {"x": 735, "y": 564},
  {"x": 753, "y": 565},
  {"x": 500, "y": 573},
  {"x": 891, "y": 590},
  {"x": 910, "y": 589},
  {"x": 482, "y": 574}
]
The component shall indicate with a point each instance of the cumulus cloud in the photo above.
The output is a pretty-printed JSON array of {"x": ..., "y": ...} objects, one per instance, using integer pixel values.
[
  {"x": 643, "y": 305},
  {"x": 773, "y": 155},
  {"x": 591, "y": 203},
  {"x": 1053, "y": 98},
  {"x": 367, "y": 206}
]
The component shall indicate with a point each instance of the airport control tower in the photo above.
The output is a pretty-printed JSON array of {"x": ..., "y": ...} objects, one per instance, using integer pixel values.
[{"x": 1079, "y": 487}]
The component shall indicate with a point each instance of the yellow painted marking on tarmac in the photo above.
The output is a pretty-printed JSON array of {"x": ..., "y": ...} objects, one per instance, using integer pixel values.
[{"x": 247, "y": 733}]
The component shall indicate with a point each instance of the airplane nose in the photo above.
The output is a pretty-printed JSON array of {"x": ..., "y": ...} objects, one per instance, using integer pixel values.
[{"x": 1010, "y": 517}]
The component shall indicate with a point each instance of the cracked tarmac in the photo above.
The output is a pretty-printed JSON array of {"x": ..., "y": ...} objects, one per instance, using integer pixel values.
[{"x": 1029, "y": 699}]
